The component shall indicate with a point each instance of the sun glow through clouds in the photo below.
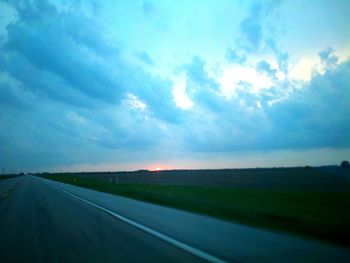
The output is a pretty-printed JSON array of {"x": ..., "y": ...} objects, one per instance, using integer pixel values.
[
  {"x": 180, "y": 97},
  {"x": 233, "y": 77}
]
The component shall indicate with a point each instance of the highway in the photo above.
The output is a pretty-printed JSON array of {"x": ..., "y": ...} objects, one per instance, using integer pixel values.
[{"x": 47, "y": 221}]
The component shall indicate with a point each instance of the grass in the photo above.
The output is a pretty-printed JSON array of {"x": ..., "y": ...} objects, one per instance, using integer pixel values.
[
  {"x": 2, "y": 177},
  {"x": 321, "y": 215}
]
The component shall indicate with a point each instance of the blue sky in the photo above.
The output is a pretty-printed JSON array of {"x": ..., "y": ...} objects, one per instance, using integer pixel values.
[{"x": 126, "y": 85}]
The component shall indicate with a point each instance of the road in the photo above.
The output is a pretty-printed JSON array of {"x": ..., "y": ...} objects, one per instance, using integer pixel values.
[{"x": 47, "y": 221}]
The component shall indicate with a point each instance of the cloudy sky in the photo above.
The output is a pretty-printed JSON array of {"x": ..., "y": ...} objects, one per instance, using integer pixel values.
[{"x": 126, "y": 85}]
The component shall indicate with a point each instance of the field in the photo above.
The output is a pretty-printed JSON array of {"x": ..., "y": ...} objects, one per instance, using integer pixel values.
[
  {"x": 2, "y": 177},
  {"x": 307, "y": 179},
  {"x": 319, "y": 210}
]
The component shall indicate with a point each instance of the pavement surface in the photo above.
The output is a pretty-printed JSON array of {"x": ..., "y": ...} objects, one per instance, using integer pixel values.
[{"x": 47, "y": 221}]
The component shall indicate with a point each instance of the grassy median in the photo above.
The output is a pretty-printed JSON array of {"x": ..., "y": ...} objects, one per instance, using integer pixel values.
[{"x": 321, "y": 215}]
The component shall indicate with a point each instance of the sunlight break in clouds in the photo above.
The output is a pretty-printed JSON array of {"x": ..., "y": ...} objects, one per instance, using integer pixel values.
[
  {"x": 180, "y": 96},
  {"x": 237, "y": 77}
]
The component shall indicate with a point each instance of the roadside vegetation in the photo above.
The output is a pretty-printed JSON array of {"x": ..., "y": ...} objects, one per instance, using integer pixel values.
[
  {"x": 2, "y": 177},
  {"x": 320, "y": 215}
]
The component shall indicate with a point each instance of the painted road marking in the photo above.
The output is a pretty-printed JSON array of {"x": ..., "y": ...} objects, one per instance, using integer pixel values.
[
  {"x": 194, "y": 251},
  {"x": 4, "y": 195}
]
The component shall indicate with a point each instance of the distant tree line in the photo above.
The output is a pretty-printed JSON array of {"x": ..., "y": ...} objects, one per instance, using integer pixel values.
[{"x": 345, "y": 164}]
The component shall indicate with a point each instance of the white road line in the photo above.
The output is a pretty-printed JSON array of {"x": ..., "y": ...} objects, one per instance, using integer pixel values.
[{"x": 179, "y": 244}]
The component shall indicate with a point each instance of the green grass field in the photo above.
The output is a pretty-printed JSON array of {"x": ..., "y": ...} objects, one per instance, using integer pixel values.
[
  {"x": 2, "y": 177},
  {"x": 321, "y": 215}
]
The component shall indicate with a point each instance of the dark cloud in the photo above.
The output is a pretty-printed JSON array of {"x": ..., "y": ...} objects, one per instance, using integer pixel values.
[
  {"x": 33, "y": 10},
  {"x": 66, "y": 53},
  {"x": 316, "y": 116},
  {"x": 311, "y": 117},
  {"x": 65, "y": 85},
  {"x": 47, "y": 46},
  {"x": 13, "y": 95}
]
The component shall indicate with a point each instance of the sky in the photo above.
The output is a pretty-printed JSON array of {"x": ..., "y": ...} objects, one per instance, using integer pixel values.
[{"x": 127, "y": 85}]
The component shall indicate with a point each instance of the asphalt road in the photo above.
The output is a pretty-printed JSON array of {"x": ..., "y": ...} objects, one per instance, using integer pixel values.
[
  {"x": 39, "y": 223},
  {"x": 47, "y": 221}
]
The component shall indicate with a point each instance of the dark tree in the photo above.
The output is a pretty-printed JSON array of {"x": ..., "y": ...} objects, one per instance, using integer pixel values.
[{"x": 345, "y": 164}]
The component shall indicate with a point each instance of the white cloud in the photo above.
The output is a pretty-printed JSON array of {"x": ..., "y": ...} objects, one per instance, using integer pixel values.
[
  {"x": 180, "y": 97},
  {"x": 233, "y": 77},
  {"x": 280, "y": 75},
  {"x": 75, "y": 117},
  {"x": 134, "y": 102},
  {"x": 305, "y": 68}
]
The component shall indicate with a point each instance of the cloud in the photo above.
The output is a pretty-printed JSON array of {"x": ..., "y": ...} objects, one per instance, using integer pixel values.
[
  {"x": 316, "y": 116},
  {"x": 236, "y": 56},
  {"x": 252, "y": 27},
  {"x": 148, "y": 9},
  {"x": 235, "y": 78},
  {"x": 66, "y": 85},
  {"x": 46, "y": 46},
  {"x": 72, "y": 92},
  {"x": 144, "y": 57},
  {"x": 313, "y": 116},
  {"x": 180, "y": 96},
  {"x": 202, "y": 89},
  {"x": 196, "y": 72},
  {"x": 12, "y": 93},
  {"x": 328, "y": 58},
  {"x": 72, "y": 53},
  {"x": 265, "y": 67}
]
